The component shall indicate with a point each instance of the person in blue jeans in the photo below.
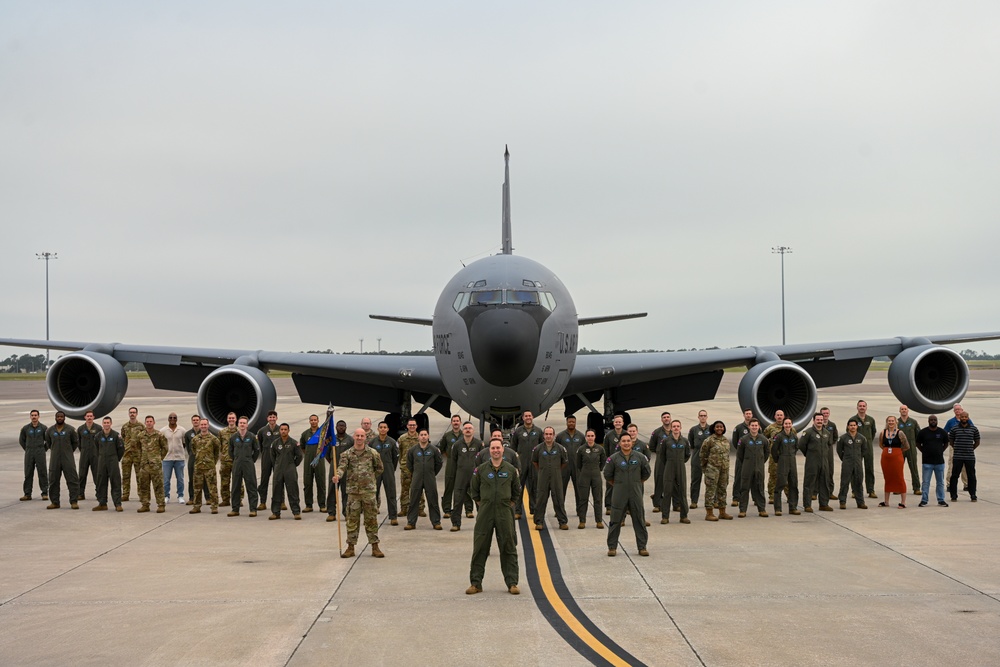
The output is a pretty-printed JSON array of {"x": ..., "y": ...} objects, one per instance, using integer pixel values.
[
  {"x": 932, "y": 442},
  {"x": 173, "y": 462}
]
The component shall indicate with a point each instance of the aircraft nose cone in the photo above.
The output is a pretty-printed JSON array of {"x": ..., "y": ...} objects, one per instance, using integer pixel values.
[{"x": 504, "y": 345}]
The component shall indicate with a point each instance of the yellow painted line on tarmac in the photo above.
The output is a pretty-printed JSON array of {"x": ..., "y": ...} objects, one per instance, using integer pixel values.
[{"x": 548, "y": 588}]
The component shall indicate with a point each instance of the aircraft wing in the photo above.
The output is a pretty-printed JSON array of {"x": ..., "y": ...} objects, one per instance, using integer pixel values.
[
  {"x": 368, "y": 381},
  {"x": 924, "y": 374}
]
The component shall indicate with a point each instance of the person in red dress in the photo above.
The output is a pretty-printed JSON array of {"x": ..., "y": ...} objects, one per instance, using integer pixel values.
[{"x": 893, "y": 443}]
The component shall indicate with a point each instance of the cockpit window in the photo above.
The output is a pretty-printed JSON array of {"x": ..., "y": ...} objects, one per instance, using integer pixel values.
[
  {"x": 487, "y": 298},
  {"x": 461, "y": 301},
  {"x": 548, "y": 300},
  {"x": 496, "y": 297},
  {"x": 522, "y": 297}
]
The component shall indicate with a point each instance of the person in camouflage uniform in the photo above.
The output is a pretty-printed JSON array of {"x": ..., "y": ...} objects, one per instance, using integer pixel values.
[
  {"x": 784, "y": 445},
  {"x": 110, "y": 450},
  {"x": 88, "y": 432},
  {"x": 152, "y": 449},
  {"x": 34, "y": 444},
  {"x": 715, "y": 466},
  {"x": 405, "y": 441},
  {"x": 63, "y": 441},
  {"x": 130, "y": 461},
  {"x": 207, "y": 450},
  {"x": 225, "y": 460},
  {"x": 773, "y": 429},
  {"x": 360, "y": 466}
]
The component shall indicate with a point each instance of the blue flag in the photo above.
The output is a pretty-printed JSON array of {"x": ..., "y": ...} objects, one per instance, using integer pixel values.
[{"x": 323, "y": 436}]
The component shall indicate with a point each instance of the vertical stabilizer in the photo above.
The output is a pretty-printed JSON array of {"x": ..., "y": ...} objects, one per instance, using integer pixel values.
[{"x": 507, "y": 249}]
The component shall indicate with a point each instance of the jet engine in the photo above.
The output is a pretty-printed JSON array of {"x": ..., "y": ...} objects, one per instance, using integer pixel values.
[
  {"x": 773, "y": 385},
  {"x": 929, "y": 378},
  {"x": 245, "y": 390},
  {"x": 85, "y": 380}
]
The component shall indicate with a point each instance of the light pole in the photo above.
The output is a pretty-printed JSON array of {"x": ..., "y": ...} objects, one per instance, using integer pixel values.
[
  {"x": 361, "y": 341},
  {"x": 379, "y": 345},
  {"x": 782, "y": 250},
  {"x": 47, "y": 256}
]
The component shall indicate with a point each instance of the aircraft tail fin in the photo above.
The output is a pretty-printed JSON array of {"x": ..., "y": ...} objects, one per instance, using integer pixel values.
[{"x": 505, "y": 223}]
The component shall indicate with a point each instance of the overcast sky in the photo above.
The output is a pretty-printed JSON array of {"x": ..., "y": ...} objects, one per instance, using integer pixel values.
[{"x": 264, "y": 175}]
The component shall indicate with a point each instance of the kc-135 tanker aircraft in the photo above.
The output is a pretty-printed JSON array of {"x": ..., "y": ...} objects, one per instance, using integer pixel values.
[{"x": 505, "y": 332}]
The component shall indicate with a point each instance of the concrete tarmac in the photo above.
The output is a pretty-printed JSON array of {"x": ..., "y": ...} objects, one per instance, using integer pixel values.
[{"x": 914, "y": 586}]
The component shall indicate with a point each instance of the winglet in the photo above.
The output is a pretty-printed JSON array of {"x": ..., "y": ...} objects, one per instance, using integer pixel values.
[{"x": 505, "y": 222}]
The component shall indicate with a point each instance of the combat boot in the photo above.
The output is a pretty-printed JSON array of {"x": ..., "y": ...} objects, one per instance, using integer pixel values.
[
  {"x": 376, "y": 552},
  {"x": 74, "y": 505},
  {"x": 348, "y": 552},
  {"x": 261, "y": 506},
  {"x": 234, "y": 513},
  {"x": 194, "y": 510},
  {"x": 160, "y": 509},
  {"x": 25, "y": 497},
  {"x": 723, "y": 515},
  {"x": 119, "y": 508},
  {"x": 694, "y": 506},
  {"x": 582, "y": 524},
  {"x": 600, "y": 524},
  {"x": 52, "y": 506},
  {"x": 710, "y": 514},
  {"x": 664, "y": 520},
  {"x": 274, "y": 517},
  {"x": 742, "y": 515},
  {"x": 144, "y": 508},
  {"x": 100, "y": 508},
  {"x": 762, "y": 513},
  {"x": 331, "y": 517},
  {"x": 794, "y": 512},
  {"x": 253, "y": 513},
  {"x": 684, "y": 519}
]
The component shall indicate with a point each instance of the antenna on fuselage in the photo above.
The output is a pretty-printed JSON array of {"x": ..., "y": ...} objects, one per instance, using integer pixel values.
[{"x": 505, "y": 222}]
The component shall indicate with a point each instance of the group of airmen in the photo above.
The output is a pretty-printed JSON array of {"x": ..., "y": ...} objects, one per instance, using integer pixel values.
[{"x": 610, "y": 474}]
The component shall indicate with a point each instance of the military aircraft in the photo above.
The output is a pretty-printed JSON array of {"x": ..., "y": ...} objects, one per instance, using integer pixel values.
[{"x": 505, "y": 333}]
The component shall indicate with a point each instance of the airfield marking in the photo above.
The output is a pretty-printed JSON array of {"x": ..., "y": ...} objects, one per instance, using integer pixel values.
[{"x": 557, "y": 604}]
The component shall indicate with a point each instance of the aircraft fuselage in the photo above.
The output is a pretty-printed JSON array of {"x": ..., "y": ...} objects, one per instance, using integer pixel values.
[{"x": 505, "y": 336}]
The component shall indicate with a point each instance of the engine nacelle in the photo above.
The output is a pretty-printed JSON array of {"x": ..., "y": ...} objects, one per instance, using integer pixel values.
[
  {"x": 84, "y": 380},
  {"x": 245, "y": 390},
  {"x": 774, "y": 385},
  {"x": 929, "y": 378}
]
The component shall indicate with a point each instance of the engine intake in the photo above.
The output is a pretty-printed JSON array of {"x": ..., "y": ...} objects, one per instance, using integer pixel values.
[
  {"x": 779, "y": 385},
  {"x": 245, "y": 390},
  {"x": 929, "y": 378},
  {"x": 81, "y": 381}
]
